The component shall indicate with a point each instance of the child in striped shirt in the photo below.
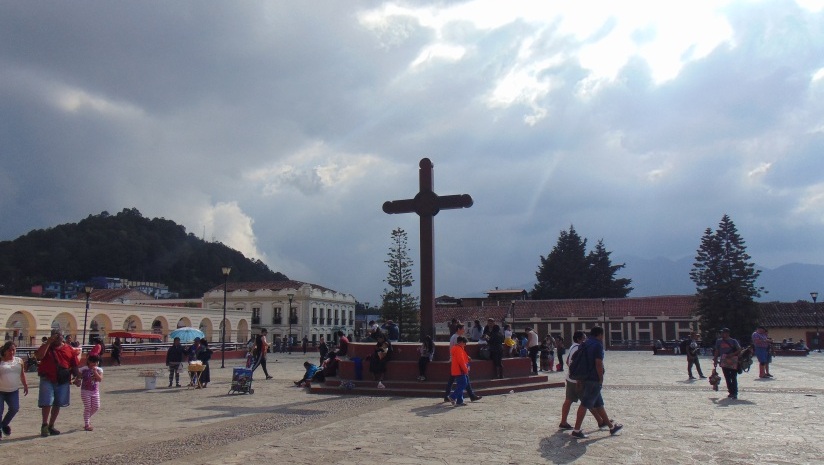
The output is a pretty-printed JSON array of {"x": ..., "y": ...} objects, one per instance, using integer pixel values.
[{"x": 89, "y": 381}]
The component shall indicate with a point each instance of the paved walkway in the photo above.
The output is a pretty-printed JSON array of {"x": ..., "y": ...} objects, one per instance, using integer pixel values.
[{"x": 667, "y": 420}]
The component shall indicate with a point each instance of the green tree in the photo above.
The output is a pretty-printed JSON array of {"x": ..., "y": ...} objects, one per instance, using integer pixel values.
[
  {"x": 396, "y": 305},
  {"x": 563, "y": 273},
  {"x": 568, "y": 272},
  {"x": 725, "y": 279},
  {"x": 602, "y": 281}
]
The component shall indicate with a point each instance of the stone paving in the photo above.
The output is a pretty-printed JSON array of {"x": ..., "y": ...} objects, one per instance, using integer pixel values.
[{"x": 667, "y": 420}]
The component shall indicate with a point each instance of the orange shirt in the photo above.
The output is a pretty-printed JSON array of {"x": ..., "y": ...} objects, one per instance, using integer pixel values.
[{"x": 460, "y": 361}]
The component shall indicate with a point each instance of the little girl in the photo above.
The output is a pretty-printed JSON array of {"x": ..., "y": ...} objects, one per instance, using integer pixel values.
[{"x": 89, "y": 381}]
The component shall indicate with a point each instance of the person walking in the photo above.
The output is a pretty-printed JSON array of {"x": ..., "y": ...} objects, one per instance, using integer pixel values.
[
  {"x": 305, "y": 343},
  {"x": 260, "y": 351},
  {"x": 174, "y": 358},
  {"x": 726, "y": 354},
  {"x": 57, "y": 366},
  {"x": 89, "y": 381},
  {"x": 459, "y": 369},
  {"x": 459, "y": 332},
  {"x": 762, "y": 343},
  {"x": 571, "y": 394},
  {"x": 117, "y": 349},
  {"x": 98, "y": 349},
  {"x": 693, "y": 351},
  {"x": 12, "y": 378},
  {"x": 592, "y": 352}
]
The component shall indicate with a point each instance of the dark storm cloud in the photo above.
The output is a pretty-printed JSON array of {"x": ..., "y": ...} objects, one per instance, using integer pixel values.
[{"x": 280, "y": 129}]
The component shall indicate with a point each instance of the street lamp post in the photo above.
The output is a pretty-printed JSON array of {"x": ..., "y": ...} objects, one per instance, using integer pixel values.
[
  {"x": 604, "y": 313},
  {"x": 88, "y": 290},
  {"x": 226, "y": 270},
  {"x": 289, "y": 339},
  {"x": 814, "y": 295}
]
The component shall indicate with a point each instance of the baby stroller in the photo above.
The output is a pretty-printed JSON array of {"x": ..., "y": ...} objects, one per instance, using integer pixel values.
[{"x": 241, "y": 381}]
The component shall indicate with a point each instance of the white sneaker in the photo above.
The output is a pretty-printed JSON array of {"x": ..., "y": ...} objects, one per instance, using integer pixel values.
[{"x": 380, "y": 385}]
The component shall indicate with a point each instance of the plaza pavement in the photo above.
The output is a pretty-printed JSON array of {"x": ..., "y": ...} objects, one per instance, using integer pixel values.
[{"x": 667, "y": 420}]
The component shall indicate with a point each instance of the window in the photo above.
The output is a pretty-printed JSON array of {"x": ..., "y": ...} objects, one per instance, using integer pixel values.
[
  {"x": 255, "y": 315},
  {"x": 314, "y": 318},
  {"x": 328, "y": 316},
  {"x": 337, "y": 321},
  {"x": 276, "y": 316},
  {"x": 293, "y": 316}
]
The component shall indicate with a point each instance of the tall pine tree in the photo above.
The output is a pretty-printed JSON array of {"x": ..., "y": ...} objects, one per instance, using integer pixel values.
[
  {"x": 563, "y": 273},
  {"x": 725, "y": 279},
  {"x": 398, "y": 306},
  {"x": 602, "y": 281}
]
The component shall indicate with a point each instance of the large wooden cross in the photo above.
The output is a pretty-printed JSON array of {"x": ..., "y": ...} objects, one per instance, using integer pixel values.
[{"x": 427, "y": 204}]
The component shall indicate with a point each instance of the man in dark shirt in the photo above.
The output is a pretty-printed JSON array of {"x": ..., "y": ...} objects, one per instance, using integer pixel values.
[
  {"x": 593, "y": 352},
  {"x": 174, "y": 357}
]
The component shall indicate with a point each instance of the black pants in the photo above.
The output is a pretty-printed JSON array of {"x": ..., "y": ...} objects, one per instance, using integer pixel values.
[
  {"x": 452, "y": 382},
  {"x": 174, "y": 373},
  {"x": 533, "y": 355},
  {"x": 260, "y": 362},
  {"x": 422, "y": 364},
  {"x": 694, "y": 361},
  {"x": 731, "y": 377}
]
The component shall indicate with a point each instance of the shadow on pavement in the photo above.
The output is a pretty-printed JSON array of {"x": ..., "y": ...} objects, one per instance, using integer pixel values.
[{"x": 562, "y": 448}]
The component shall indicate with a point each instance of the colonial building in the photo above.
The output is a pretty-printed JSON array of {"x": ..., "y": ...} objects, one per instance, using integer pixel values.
[
  {"x": 27, "y": 319},
  {"x": 639, "y": 320},
  {"x": 792, "y": 321},
  {"x": 287, "y": 308}
]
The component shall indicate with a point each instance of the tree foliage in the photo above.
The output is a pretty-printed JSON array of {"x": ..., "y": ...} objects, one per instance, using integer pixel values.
[
  {"x": 568, "y": 272},
  {"x": 397, "y": 305},
  {"x": 725, "y": 285},
  {"x": 125, "y": 245}
]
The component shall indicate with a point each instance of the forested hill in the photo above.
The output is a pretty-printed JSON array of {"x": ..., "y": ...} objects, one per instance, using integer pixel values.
[{"x": 125, "y": 245}]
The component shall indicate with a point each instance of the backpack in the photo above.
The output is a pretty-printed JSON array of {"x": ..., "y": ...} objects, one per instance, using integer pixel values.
[{"x": 579, "y": 364}]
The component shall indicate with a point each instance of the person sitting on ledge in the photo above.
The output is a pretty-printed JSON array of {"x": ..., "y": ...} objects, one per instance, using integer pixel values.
[
  {"x": 311, "y": 369},
  {"x": 329, "y": 367},
  {"x": 343, "y": 345}
]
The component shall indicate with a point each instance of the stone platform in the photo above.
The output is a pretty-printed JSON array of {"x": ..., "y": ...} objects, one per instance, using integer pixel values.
[{"x": 402, "y": 372}]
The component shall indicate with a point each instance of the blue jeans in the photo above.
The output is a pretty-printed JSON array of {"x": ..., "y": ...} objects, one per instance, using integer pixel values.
[
  {"x": 13, "y": 400},
  {"x": 591, "y": 396},
  {"x": 461, "y": 382},
  {"x": 53, "y": 394},
  {"x": 468, "y": 387}
]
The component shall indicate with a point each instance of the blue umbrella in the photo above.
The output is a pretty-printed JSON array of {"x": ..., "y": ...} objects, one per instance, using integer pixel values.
[{"x": 187, "y": 334}]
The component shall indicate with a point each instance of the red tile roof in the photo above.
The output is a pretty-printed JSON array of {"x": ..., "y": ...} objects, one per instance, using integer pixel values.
[
  {"x": 675, "y": 306},
  {"x": 789, "y": 315},
  {"x": 463, "y": 314}
]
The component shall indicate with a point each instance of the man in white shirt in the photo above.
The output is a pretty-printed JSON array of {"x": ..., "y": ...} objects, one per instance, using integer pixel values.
[
  {"x": 571, "y": 384},
  {"x": 533, "y": 347}
]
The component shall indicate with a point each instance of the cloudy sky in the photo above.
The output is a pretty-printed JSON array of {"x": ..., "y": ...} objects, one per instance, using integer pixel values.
[{"x": 280, "y": 128}]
